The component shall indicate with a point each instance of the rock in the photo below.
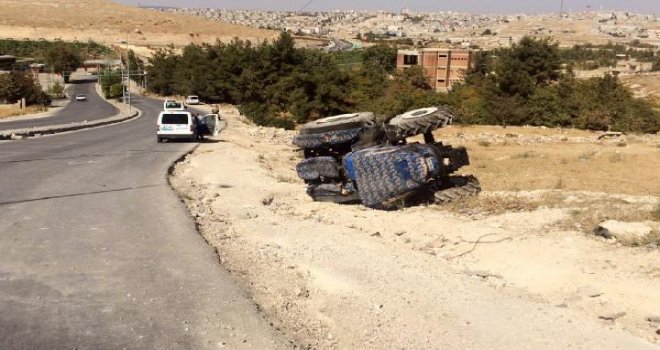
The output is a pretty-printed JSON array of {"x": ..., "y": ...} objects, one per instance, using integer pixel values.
[
  {"x": 375, "y": 234},
  {"x": 301, "y": 293},
  {"x": 603, "y": 232},
  {"x": 590, "y": 291},
  {"x": 268, "y": 200},
  {"x": 482, "y": 274},
  {"x": 610, "y": 134},
  {"x": 623, "y": 230},
  {"x": 404, "y": 240},
  {"x": 654, "y": 318},
  {"x": 437, "y": 243},
  {"x": 613, "y": 316},
  {"x": 400, "y": 233},
  {"x": 15, "y": 137}
]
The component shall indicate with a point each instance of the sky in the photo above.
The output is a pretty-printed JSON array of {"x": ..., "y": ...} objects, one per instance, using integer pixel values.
[{"x": 476, "y": 6}]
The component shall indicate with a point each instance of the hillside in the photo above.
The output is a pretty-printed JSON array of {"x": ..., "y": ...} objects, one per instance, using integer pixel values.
[{"x": 106, "y": 22}]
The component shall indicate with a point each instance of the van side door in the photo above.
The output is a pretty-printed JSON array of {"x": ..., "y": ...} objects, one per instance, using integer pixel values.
[{"x": 213, "y": 123}]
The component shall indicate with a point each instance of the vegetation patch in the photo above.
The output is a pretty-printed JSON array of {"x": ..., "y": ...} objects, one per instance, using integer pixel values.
[{"x": 275, "y": 84}]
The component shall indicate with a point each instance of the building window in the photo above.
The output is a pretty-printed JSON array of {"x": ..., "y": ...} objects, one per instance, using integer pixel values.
[
  {"x": 443, "y": 55},
  {"x": 410, "y": 60}
]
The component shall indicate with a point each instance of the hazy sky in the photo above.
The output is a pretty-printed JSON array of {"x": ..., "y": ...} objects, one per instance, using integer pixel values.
[{"x": 490, "y": 6}]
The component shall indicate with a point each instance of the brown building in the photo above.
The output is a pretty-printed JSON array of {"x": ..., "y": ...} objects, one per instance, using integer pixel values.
[{"x": 443, "y": 67}]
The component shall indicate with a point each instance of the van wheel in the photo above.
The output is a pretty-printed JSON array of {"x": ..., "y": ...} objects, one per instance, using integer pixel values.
[{"x": 159, "y": 139}]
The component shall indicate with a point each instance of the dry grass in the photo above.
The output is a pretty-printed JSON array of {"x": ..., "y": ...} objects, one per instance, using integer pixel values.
[
  {"x": 655, "y": 213},
  {"x": 493, "y": 205},
  {"x": 286, "y": 179},
  {"x": 509, "y": 172},
  {"x": 589, "y": 214},
  {"x": 7, "y": 111},
  {"x": 650, "y": 240},
  {"x": 568, "y": 166}
]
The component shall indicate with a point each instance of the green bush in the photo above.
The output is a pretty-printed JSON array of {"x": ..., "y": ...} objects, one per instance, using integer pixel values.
[
  {"x": 110, "y": 82},
  {"x": 16, "y": 85},
  {"x": 56, "y": 90},
  {"x": 115, "y": 91},
  {"x": 525, "y": 85}
]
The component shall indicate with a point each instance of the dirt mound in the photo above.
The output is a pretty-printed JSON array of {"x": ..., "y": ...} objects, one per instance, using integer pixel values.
[{"x": 107, "y": 22}]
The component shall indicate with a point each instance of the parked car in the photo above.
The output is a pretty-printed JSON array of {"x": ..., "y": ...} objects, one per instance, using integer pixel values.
[
  {"x": 81, "y": 97},
  {"x": 192, "y": 100},
  {"x": 184, "y": 125},
  {"x": 173, "y": 105}
]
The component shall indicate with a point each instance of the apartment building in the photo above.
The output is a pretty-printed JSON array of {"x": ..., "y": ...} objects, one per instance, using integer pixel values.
[{"x": 443, "y": 67}]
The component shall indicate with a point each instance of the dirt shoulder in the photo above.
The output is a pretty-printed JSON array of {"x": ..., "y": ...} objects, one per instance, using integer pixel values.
[{"x": 332, "y": 276}]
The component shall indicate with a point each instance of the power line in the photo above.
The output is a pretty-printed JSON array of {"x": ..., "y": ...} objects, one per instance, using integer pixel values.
[{"x": 306, "y": 5}]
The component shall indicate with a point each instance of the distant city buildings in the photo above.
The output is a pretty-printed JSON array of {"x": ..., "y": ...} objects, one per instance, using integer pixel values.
[
  {"x": 453, "y": 29},
  {"x": 444, "y": 68}
]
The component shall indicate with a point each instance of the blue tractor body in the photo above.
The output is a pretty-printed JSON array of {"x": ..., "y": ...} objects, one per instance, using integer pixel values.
[{"x": 353, "y": 159}]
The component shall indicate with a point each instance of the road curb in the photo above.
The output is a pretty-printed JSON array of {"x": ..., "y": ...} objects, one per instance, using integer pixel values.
[
  {"x": 18, "y": 134},
  {"x": 56, "y": 129}
]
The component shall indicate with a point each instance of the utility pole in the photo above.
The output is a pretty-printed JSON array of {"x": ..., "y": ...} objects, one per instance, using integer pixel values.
[
  {"x": 123, "y": 91},
  {"x": 561, "y": 9},
  {"x": 128, "y": 70}
]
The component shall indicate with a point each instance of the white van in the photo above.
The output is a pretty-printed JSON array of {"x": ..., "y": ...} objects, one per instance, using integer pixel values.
[{"x": 183, "y": 125}]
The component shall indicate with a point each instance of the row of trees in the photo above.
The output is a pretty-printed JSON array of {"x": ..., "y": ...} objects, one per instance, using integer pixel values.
[
  {"x": 279, "y": 85},
  {"x": 61, "y": 57},
  {"x": 37, "y": 49},
  {"x": 589, "y": 56},
  {"x": 526, "y": 85}
]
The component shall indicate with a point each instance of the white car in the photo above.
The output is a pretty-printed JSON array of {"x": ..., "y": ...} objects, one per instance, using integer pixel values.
[
  {"x": 192, "y": 100},
  {"x": 81, "y": 97},
  {"x": 184, "y": 125},
  {"x": 172, "y": 105}
]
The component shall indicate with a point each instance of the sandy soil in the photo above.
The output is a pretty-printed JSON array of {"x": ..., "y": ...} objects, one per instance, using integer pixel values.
[
  {"x": 79, "y": 20},
  {"x": 332, "y": 276},
  {"x": 645, "y": 86}
]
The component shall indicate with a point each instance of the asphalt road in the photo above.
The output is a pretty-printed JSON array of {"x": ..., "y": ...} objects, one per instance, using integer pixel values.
[
  {"x": 97, "y": 252},
  {"x": 94, "y": 108}
]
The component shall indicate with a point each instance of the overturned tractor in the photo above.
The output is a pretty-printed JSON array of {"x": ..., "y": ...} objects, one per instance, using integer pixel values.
[{"x": 352, "y": 158}]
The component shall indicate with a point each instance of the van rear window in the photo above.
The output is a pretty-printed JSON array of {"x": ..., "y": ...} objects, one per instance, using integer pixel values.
[{"x": 174, "y": 119}]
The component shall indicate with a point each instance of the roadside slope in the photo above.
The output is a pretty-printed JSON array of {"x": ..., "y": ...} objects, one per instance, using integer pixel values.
[{"x": 348, "y": 276}]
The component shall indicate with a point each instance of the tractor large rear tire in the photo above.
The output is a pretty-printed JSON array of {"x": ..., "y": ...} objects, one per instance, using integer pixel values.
[
  {"x": 421, "y": 121},
  {"x": 339, "y": 122},
  {"x": 456, "y": 188},
  {"x": 334, "y": 130}
]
